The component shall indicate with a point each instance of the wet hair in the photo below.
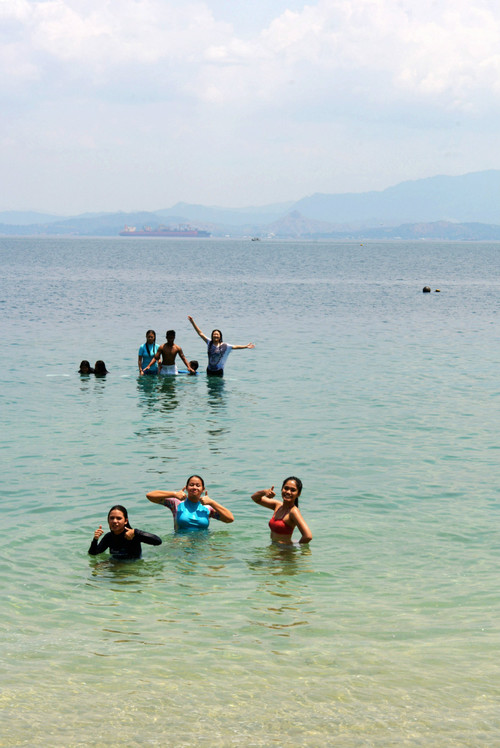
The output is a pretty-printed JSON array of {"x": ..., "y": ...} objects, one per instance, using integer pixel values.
[
  {"x": 170, "y": 334},
  {"x": 199, "y": 478},
  {"x": 121, "y": 509},
  {"x": 154, "y": 341},
  {"x": 100, "y": 368},
  {"x": 85, "y": 365},
  {"x": 297, "y": 482},
  {"x": 194, "y": 364},
  {"x": 212, "y": 335}
]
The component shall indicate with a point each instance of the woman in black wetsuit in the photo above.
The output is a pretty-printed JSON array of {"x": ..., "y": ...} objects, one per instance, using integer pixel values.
[{"x": 123, "y": 541}]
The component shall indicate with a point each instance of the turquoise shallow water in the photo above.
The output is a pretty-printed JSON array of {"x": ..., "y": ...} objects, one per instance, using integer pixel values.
[{"x": 385, "y": 401}]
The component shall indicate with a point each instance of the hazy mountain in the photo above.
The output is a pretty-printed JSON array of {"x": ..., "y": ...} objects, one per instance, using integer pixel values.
[
  {"x": 295, "y": 226},
  {"x": 225, "y": 216},
  {"x": 88, "y": 224},
  {"x": 26, "y": 217},
  {"x": 470, "y": 197}
]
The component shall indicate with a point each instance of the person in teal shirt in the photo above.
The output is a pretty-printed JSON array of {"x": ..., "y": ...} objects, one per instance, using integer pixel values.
[
  {"x": 192, "y": 508},
  {"x": 147, "y": 352}
]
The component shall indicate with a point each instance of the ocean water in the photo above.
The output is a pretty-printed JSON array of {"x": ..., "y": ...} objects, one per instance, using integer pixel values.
[{"x": 384, "y": 631}]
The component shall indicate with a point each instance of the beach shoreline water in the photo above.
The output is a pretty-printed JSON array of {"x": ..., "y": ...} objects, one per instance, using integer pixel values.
[{"x": 384, "y": 400}]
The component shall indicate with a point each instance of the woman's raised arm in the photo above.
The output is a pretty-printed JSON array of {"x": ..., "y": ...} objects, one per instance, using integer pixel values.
[
  {"x": 266, "y": 498},
  {"x": 157, "y": 496},
  {"x": 200, "y": 333}
]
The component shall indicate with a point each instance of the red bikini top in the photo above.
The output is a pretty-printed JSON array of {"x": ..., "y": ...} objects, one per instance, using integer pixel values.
[{"x": 279, "y": 526}]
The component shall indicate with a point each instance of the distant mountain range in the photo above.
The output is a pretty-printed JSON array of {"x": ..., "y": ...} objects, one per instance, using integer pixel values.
[{"x": 464, "y": 207}]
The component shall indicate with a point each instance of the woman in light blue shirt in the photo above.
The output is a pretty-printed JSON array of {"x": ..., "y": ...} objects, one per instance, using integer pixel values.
[
  {"x": 192, "y": 508},
  {"x": 146, "y": 354}
]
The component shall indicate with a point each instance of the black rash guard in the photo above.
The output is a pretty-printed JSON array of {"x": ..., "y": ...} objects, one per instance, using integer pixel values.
[{"x": 120, "y": 547}]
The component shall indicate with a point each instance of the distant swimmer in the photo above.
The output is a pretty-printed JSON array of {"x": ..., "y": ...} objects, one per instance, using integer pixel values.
[
  {"x": 123, "y": 541},
  {"x": 426, "y": 289},
  {"x": 286, "y": 514},
  {"x": 147, "y": 353},
  {"x": 192, "y": 508},
  {"x": 85, "y": 368},
  {"x": 167, "y": 353},
  {"x": 217, "y": 350},
  {"x": 100, "y": 369}
]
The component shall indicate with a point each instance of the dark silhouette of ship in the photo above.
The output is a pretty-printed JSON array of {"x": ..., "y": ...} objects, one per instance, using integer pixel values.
[{"x": 167, "y": 231}]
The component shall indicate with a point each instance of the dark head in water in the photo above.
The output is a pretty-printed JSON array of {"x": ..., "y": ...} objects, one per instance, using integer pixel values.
[
  {"x": 100, "y": 368},
  {"x": 85, "y": 367}
]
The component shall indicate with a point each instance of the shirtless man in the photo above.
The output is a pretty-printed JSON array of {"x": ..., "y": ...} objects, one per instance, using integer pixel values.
[{"x": 167, "y": 352}]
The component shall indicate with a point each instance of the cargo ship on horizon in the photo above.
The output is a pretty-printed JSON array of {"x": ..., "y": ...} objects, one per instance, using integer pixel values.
[{"x": 165, "y": 231}]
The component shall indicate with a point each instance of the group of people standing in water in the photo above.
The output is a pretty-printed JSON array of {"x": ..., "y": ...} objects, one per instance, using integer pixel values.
[
  {"x": 192, "y": 509},
  {"x": 154, "y": 359}
]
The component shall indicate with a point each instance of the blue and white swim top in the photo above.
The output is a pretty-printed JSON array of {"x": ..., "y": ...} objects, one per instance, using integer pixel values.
[
  {"x": 190, "y": 515},
  {"x": 217, "y": 355}
]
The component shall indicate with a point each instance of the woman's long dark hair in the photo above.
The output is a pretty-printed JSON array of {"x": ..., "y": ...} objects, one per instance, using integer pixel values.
[
  {"x": 154, "y": 341},
  {"x": 100, "y": 368}
]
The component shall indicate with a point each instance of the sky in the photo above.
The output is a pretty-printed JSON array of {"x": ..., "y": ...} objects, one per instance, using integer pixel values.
[{"x": 111, "y": 105}]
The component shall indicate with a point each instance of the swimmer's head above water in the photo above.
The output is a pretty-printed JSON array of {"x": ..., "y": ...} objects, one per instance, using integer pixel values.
[
  {"x": 100, "y": 368},
  {"x": 85, "y": 367},
  {"x": 195, "y": 485},
  {"x": 118, "y": 519},
  {"x": 289, "y": 491}
]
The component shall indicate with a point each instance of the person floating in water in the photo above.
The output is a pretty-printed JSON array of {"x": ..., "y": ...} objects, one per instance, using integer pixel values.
[
  {"x": 85, "y": 368},
  {"x": 146, "y": 354},
  {"x": 167, "y": 353},
  {"x": 100, "y": 369},
  {"x": 123, "y": 541},
  {"x": 192, "y": 510},
  {"x": 217, "y": 350},
  {"x": 286, "y": 514}
]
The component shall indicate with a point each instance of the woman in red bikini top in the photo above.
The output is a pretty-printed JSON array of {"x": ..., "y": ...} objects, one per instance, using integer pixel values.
[{"x": 286, "y": 514}]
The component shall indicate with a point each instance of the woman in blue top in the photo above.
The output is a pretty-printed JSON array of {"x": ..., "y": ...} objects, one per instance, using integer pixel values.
[
  {"x": 191, "y": 509},
  {"x": 147, "y": 353},
  {"x": 217, "y": 350}
]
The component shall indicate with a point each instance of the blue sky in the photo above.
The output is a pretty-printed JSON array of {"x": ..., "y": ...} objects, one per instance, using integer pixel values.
[{"x": 137, "y": 104}]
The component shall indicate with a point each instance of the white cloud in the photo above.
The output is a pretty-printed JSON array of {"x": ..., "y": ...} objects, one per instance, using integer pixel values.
[
  {"x": 331, "y": 95},
  {"x": 445, "y": 53}
]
